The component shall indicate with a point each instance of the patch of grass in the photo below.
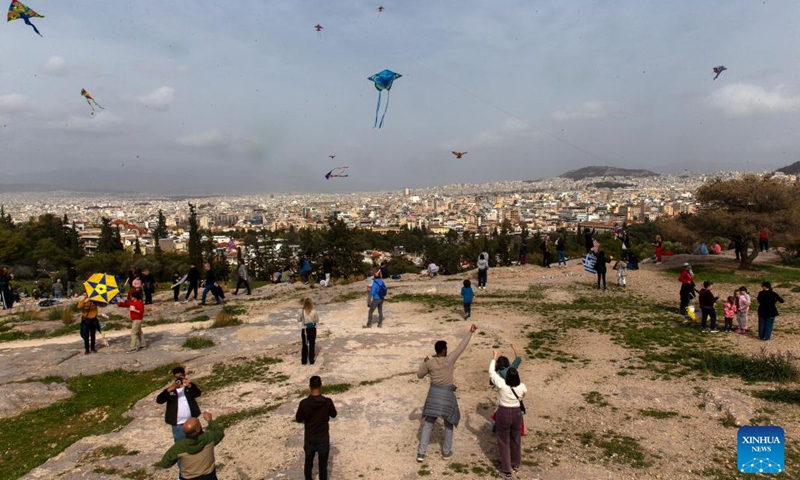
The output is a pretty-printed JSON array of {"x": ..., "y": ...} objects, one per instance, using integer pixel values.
[
  {"x": 660, "y": 414},
  {"x": 349, "y": 296},
  {"x": 335, "y": 388},
  {"x": 199, "y": 318},
  {"x": 109, "y": 452},
  {"x": 198, "y": 343},
  {"x": 781, "y": 395},
  {"x": 761, "y": 367},
  {"x": 242, "y": 370},
  {"x": 431, "y": 300},
  {"x": 596, "y": 398},
  {"x": 138, "y": 474},
  {"x": 226, "y": 318},
  {"x": 233, "y": 418},
  {"x": 29, "y": 439},
  {"x": 618, "y": 448},
  {"x": 60, "y": 313},
  {"x": 729, "y": 421},
  {"x": 459, "y": 467},
  {"x": 106, "y": 471},
  {"x": 367, "y": 383},
  {"x": 423, "y": 471}
]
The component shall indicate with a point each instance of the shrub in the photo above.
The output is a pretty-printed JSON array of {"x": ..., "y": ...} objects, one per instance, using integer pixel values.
[{"x": 197, "y": 343}]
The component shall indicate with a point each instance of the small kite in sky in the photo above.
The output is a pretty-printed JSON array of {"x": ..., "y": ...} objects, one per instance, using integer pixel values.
[
  {"x": 319, "y": 29},
  {"x": 459, "y": 154},
  {"x": 337, "y": 172},
  {"x": 18, "y": 10},
  {"x": 719, "y": 70},
  {"x": 383, "y": 81},
  {"x": 91, "y": 100},
  {"x": 331, "y": 156},
  {"x": 380, "y": 9}
]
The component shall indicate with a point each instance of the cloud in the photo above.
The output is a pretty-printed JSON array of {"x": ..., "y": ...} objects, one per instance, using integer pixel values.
[
  {"x": 742, "y": 99},
  {"x": 100, "y": 123},
  {"x": 587, "y": 110},
  {"x": 159, "y": 99},
  {"x": 55, "y": 66},
  {"x": 510, "y": 129},
  {"x": 13, "y": 103},
  {"x": 210, "y": 139}
]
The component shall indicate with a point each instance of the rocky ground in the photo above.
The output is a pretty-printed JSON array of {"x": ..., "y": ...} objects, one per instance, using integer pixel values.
[{"x": 584, "y": 417}]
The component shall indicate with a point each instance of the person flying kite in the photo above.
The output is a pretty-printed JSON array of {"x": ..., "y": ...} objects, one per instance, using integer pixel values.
[
  {"x": 383, "y": 81},
  {"x": 91, "y": 101},
  {"x": 337, "y": 172},
  {"x": 719, "y": 70},
  {"x": 18, "y": 10},
  {"x": 459, "y": 154}
]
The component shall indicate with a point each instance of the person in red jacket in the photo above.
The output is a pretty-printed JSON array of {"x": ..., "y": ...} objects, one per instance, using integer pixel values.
[
  {"x": 688, "y": 289},
  {"x": 136, "y": 308}
]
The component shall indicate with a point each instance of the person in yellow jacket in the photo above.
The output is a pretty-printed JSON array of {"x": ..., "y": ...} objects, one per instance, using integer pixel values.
[{"x": 89, "y": 323}]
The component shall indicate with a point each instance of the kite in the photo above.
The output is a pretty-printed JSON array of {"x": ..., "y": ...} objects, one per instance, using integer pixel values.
[
  {"x": 337, "y": 172},
  {"x": 459, "y": 154},
  {"x": 719, "y": 70},
  {"x": 91, "y": 101},
  {"x": 380, "y": 9},
  {"x": 319, "y": 29},
  {"x": 383, "y": 81},
  {"x": 331, "y": 156},
  {"x": 18, "y": 10}
]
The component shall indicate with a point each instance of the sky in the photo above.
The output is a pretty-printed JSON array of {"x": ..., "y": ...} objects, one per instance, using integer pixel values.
[{"x": 246, "y": 97}]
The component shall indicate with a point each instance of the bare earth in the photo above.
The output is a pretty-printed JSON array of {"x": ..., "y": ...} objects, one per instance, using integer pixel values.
[{"x": 376, "y": 433}]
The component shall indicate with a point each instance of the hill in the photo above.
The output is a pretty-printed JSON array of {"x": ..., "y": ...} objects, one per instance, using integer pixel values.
[
  {"x": 793, "y": 169},
  {"x": 595, "y": 171}
]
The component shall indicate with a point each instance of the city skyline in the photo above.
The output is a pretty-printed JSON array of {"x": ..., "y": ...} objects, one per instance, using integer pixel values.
[{"x": 206, "y": 99}]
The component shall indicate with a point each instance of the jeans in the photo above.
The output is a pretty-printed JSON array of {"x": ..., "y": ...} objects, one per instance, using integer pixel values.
[
  {"x": 709, "y": 312},
  {"x": 322, "y": 449},
  {"x": 148, "y": 297},
  {"x": 177, "y": 436},
  {"x": 192, "y": 288},
  {"x": 562, "y": 257},
  {"x": 376, "y": 303},
  {"x": 508, "y": 423},
  {"x": 239, "y": 283},
  {"x": 309, "y": 337},
  {"x": 425, "y": 438},
  {"x": 206, "y": 289},
  {"x": 482, "y": 276},
  {"x": 601, "y": 276},
  {"x": 88, "y": 333},
  {"x": 467, "y": 309},
  {"x": 765, "y": 325}
]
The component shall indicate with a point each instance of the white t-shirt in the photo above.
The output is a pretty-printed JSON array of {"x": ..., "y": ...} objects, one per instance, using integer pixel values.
[{"x": 184, "y": 412}]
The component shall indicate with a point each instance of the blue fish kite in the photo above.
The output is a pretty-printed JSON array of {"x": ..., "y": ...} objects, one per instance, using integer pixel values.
[{"x": 383, "y": 81}]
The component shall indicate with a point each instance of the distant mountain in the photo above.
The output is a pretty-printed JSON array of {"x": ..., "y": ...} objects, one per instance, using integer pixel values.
[
  {"x": 594, "y": 171},
  {"x": 793, "y": 169}
]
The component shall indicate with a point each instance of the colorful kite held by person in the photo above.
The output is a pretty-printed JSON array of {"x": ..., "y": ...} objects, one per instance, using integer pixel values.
[
  {"x": 337, "y": 172},
  {"x": 719, "y": 70},
  {"x": 459, "y": 154},
  {"x": 383, "y": 81},
  {"x": 17, "y": 10},
  {"x": 91, "y": 101}
]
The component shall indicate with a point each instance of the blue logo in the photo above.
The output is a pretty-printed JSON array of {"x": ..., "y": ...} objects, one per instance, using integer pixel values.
[{"x": 761, "y": 450}]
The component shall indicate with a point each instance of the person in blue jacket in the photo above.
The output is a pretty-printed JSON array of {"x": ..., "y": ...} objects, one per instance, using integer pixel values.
[
  {"x": 468, "y": 294},
  {"x": 377, "y": 293}
]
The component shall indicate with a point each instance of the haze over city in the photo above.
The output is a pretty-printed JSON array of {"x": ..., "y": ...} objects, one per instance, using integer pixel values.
[{"x": 248, "y": 98}]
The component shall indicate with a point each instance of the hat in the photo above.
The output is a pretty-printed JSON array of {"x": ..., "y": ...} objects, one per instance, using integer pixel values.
[{"x": 686, "y": 264}]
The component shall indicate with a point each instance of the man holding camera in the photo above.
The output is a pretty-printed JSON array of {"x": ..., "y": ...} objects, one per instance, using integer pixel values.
[{"x": 180, "y": 398}]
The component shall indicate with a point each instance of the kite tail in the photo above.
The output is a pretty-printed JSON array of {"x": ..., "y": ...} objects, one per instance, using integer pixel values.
[
  {"x": 99, "y": 106},
  {"x": 378, "y": 109},
  {"x": 385, "y": 109},
  {"x": 28, "y": 22}
]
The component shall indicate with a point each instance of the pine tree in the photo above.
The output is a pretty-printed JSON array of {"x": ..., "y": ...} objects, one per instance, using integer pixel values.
[
  {"x": 106, "y": 242},
  {"x": 137, "y": 248},
  {"x": 159, "y": 232},
  {"x": 195, "y": 246}
]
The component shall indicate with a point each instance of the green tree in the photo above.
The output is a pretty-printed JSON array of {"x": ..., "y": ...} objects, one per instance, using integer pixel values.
[
  {"x": 159, "y": 232},
  {"x": 109, "y": 237},
  {"x": 195, "y": 246}
]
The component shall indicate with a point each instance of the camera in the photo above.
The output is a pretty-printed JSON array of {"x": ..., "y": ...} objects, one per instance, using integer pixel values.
[{"x": 179, "y": 381}]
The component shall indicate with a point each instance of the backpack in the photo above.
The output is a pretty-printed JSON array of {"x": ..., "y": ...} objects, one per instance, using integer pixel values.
[{"x": 382, "y": 290}]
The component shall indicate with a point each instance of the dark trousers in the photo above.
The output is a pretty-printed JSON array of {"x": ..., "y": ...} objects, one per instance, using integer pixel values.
[
  {"x": 763, "y": 245},
  {"x": 206, "y": 289},
  {"x": 89, "y": 332},
  {"x": 601, "y": 276},
  {"x": 765, "y": 325},
  {"x": 192, "y": 288},
  {"x": 547, "y": 259},
  {"x": 241, "y": 282},
  {"x": 482, "y": 275},
  {"x": 176, "y": 293},
  {"x": 686, "y": 291},
  {"x": 311, "y": 449},
  {"x": 507, "y": 424},
  {"x": 708, "y": 312},
  {"x": 523, "y": 259},
  {"x": 148, "y": 297},
  {"x": 467, "y": 309},
  {"x": 309, "y": 337}
]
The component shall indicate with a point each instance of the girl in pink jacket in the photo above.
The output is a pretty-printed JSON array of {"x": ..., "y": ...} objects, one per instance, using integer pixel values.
[
  {"x": 743, "y": 309},
  {"x": 729, "y": 309}
]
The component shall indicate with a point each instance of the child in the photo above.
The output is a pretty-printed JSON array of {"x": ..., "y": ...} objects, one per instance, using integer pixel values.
[
  {"x": 468, "y": 294},
  {"x": 729, "y": 310},
  {"x": 136, "y": 309},
  {"x": 743, "y": 310},
  {"x": 622, "y": 273}
]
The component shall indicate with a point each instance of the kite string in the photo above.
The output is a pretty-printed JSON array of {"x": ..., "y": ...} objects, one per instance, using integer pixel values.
[
  {"x": 378, "y": 109},
  {"x": 386, "y": 108}
]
